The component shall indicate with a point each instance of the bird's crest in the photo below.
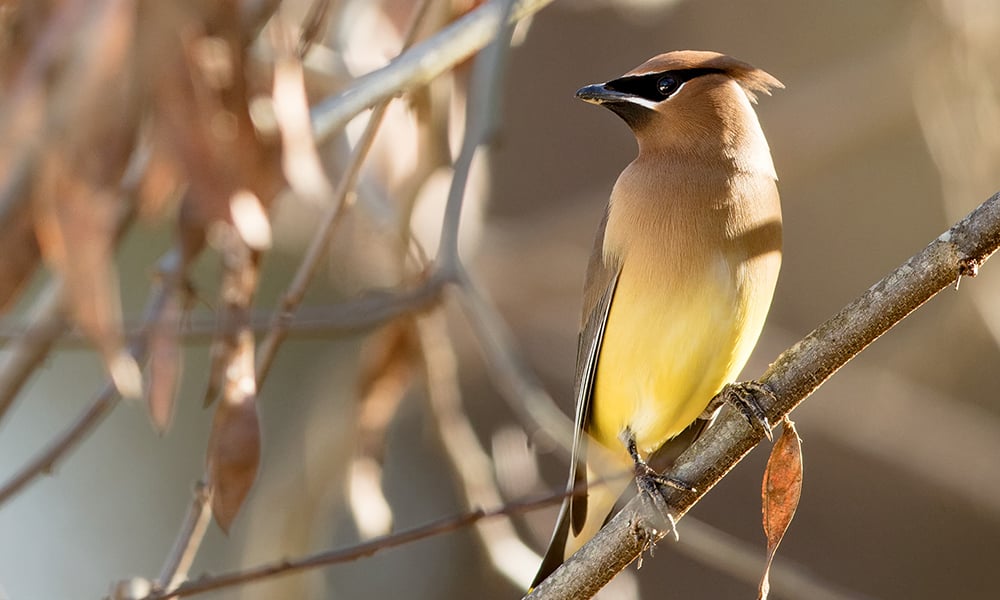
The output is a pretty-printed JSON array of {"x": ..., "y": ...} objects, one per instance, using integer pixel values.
[{"x": 750, "y": 78}]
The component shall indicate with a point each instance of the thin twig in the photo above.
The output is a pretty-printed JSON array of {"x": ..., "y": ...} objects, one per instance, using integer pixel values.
[
  {"x": 522, "y": 391},
  {"x": 182, "y": 554},
  {"x": 958, "y": 252},
  {"x": 27, "y": 350},
  {"x": 313, "y": 26},
  {"x": 534, "y": 407},
  {"x": 46, "y": 460},
  {"x": 368, "y": 311},
  {"x": 509, "y": 555},
  {"x": 480, "y": 126},
  {"x": 331, "y": 557}
]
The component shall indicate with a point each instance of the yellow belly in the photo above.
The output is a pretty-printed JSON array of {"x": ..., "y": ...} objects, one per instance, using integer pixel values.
[{"x": 668, "y": 349}]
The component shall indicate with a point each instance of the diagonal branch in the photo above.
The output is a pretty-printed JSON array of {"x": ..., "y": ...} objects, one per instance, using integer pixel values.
[
  {"x": 801, "y": 369},
  {"x": 419, "y": 65}
]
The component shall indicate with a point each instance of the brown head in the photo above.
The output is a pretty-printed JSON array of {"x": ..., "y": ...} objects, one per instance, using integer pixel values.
[{"x": 686, "y": 100}]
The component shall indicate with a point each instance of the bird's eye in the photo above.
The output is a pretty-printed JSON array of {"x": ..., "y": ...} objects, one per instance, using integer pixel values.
[{"x": 667, "y": 85}]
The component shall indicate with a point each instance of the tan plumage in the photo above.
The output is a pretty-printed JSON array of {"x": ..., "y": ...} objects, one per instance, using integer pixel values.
[{"x": 682, "y": 273}]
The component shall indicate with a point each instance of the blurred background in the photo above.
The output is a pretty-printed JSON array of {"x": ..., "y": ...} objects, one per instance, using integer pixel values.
[{"x": 885, "y": 134}]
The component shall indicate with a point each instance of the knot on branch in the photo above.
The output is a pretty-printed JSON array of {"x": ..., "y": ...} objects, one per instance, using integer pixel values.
[{"x": 969, "y": 266}]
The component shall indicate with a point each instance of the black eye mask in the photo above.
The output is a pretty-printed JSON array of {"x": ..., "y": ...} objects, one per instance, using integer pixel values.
[{"x": 656, "y": 87}]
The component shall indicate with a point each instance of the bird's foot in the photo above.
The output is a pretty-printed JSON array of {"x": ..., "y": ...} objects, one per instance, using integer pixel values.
[
  {"x": 650, "y": 481},
  {"x": 744, "y": 397},
  {"x": 651, "y": 484}
]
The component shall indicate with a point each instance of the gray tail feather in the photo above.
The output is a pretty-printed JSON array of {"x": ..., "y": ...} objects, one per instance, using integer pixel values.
[
  {"x": 557, "y": 546},
  {"x": 661, "y": 459}
]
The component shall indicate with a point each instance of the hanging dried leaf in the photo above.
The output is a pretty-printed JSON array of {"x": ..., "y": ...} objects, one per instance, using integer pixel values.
[
  {"x": 780, "y": 493},
  {"x": 202, "y": 117},
  {"x": 234, "y": 444},
  {"x": 91, "y": 101},
  {"x": 164, "y": 364},
  {"x": 20, "y": 252},
  {"x": 75, "y": 224}
]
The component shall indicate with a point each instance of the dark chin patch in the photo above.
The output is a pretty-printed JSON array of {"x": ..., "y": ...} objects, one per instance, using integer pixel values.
[{"x": 634, "y": 115}]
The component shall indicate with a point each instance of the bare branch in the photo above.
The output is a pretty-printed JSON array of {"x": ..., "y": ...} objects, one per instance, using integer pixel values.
[
  {"x": 479, "y": 129},
  {"x": 182, "y": 555},
  {"x": 420, "y": 65},
  {"x": 331, "y": 557},
  {"x": 29, "y": 348},
  {"x": 364, "y": 313},
  {"x": 534, "y": 407}
]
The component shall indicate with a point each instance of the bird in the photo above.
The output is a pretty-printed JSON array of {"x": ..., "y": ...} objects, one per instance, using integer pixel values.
[{"x": 679, "y": 283}]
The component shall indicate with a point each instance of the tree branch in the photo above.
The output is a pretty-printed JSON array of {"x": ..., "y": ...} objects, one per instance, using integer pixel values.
[
  {"x": 792, "y": 377},
  {"x": 419, "y": 65},
  {"x": 330, "y": 557}
]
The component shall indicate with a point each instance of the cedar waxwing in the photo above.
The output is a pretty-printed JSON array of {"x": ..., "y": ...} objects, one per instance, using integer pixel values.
[{"x": 680, "y": 279}]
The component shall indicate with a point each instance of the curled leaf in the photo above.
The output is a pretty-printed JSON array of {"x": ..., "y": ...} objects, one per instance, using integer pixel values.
[{"x": 781, "y": 490}]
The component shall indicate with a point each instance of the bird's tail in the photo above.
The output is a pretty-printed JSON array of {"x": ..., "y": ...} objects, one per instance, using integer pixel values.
[{"x": 601, "y": 496}]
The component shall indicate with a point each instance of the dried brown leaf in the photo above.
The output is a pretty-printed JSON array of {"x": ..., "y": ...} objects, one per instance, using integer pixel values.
[
  {"x": 75, "y": 223},
  {"x": 781, "y": 490},
  {"x": 91, "y": 102},
  {"x": 234, "y": 445},
  {"x": 202, "y": 117},
  {"x": 164, "y": 365},
  {"x": 20, "y": 252}
]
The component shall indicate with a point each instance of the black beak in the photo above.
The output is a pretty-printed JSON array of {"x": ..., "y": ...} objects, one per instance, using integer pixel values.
[{"x": 599, "y": 93}]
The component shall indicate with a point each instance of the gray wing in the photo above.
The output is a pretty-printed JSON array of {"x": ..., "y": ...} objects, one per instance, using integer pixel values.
[{"x": 598, "y": 292}]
